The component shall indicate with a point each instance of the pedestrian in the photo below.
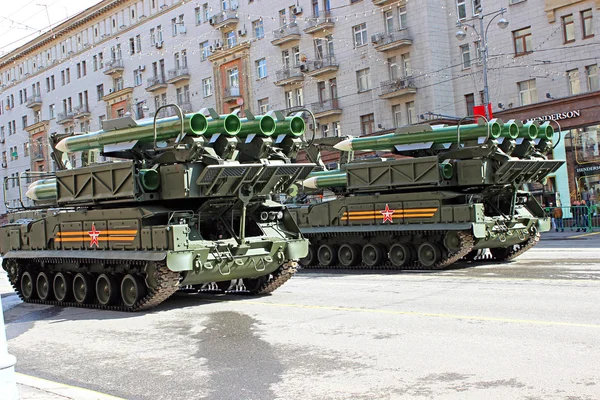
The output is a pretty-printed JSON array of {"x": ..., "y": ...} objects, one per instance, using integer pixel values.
[
  {"x": 584, "y": 211},
  {"x": 575, "y": 213},
  {"x": 550, "y": 211},
  {"x": 558, "y": 219}
]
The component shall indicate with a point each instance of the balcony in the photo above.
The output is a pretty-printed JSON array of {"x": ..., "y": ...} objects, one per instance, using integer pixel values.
[
  {"x": 231, "y": 49},
  {"x": 34, "y": 101},
  {"x": 114, "y": 66},
  {"x": 323, "y": 20},
  {"x": 388, "y": 2},
  {"x": 231, "y": 93},
  {"x": 155, "y": 83},
  {"x": 178, "y": 74},
  {"x": 397, "y": 88},
  {"x": 319, "y": 67},
  {"x": 186, "y": 107},
  {"x": 288, "y": 75},
  {"x": 224, "y": 19},
  {"x": 64, "y": 117},
  {"x": 326, "y": 108},
  {"x": 391, "y": 40},
  {"x": 81, "y": 112},
  {"x": 285, "y": 34}
]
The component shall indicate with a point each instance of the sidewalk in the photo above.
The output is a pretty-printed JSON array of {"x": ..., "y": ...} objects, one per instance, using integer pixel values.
[
  {"x": 31, "y": 388},
  {"x": 569, "y": 234}
]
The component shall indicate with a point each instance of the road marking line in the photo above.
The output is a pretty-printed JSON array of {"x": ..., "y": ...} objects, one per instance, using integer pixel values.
[
  {"x": 420, "y": 314},
  {"x": 584, "y": 235},
  {"x": 62, "y": 389}
]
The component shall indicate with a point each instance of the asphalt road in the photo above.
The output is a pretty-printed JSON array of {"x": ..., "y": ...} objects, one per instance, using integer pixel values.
[{"x": 526, "y": 330}]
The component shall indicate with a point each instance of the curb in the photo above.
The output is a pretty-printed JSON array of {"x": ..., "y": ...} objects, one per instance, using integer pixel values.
[{"x": 61, "y": 389}]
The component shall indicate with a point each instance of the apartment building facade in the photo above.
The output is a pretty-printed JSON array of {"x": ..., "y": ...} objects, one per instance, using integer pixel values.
[{"x": 361, "y": 66}]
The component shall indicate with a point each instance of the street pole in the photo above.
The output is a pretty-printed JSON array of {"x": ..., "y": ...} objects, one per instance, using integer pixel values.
[
  {"x": 486, "y": 94},
  {"x": 8, "y": 385}
]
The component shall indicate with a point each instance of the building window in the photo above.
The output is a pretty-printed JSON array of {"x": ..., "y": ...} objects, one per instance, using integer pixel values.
[
  {"x": 522, "y": 41},
  {"x": 410, "y": 112},
  {"x": 402, "y": 18},
  {"x": 324, "y": 130},
  {"x": 360, "y": 34},
  {"x": 118, "y": 84},
  {"x": 26, "y": 149},
  {"x": 204, "y": 50},
  {"x": 363, "y": 79},
  {"x": 568, "y": 25},
  {"x": 299, "y": 97},
  {"x": 586, "y": 23},
  {"x": 261, "y": 68},
  {"x": 367, "y": 124},
  {"x": 406, "y": 64},
  {"x": 289, "y": 99},
  {"x": 470, "y": 101},
  {"x": 397, "y": 115},
  {"x": 198, "y": 15},
  {"x": 207, "y": 87},
  {"x": 388, "y": 18},
  {"x": 174, "y": 26},
  {"x": 233, "y": 77},
  {"x": 138, "y": 43},
  {"x": 337, "y": 129},
  {"x": 231, "y": 39},
  {"x": 476, "y": 7},
  {"x": 263, "y": 105},
  {"x": 527, "y": 92},
  {"x": 137, "y": 77},
  {"x": 466, "y": 56},
  {"x": 258, "y": 28},
  {"x": 574, "y": 84},
  {"x": 206, "y": 12},
  {"x": 51, "y": 111},
  {"x": 592, "y": 77},
  {"x": 461, "y": 9},
  {"x": 100, "y": 91},
  {"x": 131, "y": 45}
]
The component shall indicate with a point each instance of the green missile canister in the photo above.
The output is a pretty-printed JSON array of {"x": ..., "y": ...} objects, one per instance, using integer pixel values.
[
  {"x": 262, "y": 125},
  {"x": 529, "y": 130},
  {"x": 294, "y": 126},
  {"x": 446, "y": 134},
  {"x": 42, "y": 192},
  {"x": 143, "y": 131},
  {"x": 325, "y": 181},
  {"x": 510, "y": 130},
  {"x": 546, "y": 131}
]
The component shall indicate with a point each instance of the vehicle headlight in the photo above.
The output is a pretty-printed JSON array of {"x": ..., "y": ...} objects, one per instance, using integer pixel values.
[
  {"x": 280, "y": 215},
  {"x": 264, "y": 216}
]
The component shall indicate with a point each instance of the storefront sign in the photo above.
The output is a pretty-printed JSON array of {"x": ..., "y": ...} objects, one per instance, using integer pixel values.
[
  {"x": 591, "y": 168},
  {"x": 558, "y": 116}
]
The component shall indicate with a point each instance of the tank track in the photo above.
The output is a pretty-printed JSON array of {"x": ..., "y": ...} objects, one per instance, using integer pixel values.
[
  {"x": 167, "y": 283},
  {"x": 510, "y": 255},
  {"x": 274, "y": 281},
  {"x": 278, "y": 278},
  {"x": 467, "y": 243}
]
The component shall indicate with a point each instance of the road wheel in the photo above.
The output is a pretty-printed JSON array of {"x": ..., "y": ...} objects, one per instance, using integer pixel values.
[
  {"x": 348, "y": 255},
  {"x": 253, "y": 285},
  {"x": 327, "y": 255},
  {"x": 429, "y": 254},
  {"x": 83, "y": 288},
  {"x": 400, "y": 255},
  {"x": 311, "y": 257},
  {"x": 62, "y": 285},
  {"x": 501, "y": 253},
  {"x": 28, "y": 286},
  {"x": 107, "y": 289},
  {"x": 372, "y": 255},
  {"x": 452, "y": 242},
  {"x": 43, "y": 286},
  {"x": 132, "y": 290}
]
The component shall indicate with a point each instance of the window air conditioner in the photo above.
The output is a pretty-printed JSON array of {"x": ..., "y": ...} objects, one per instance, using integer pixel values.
[{"x": 297, "y": 10}]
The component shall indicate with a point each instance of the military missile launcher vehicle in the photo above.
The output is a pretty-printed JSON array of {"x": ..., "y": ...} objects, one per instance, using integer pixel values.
[
  {"x": 186, "y": 206},
  {"x": 445, "y": 194}
]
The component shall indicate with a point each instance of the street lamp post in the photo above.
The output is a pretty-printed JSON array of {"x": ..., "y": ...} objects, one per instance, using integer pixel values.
[{"x": 482, "y": 34}]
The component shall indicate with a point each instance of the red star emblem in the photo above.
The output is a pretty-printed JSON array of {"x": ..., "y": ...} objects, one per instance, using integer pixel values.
[
  {"x": 94, "y": 234},
  {"x": 388, "y": 214}
]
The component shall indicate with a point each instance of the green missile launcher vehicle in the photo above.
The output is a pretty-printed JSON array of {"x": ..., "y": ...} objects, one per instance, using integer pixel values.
[
  {"x": 447, "y": 194},
  {"x": 188, "y": 205}
]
